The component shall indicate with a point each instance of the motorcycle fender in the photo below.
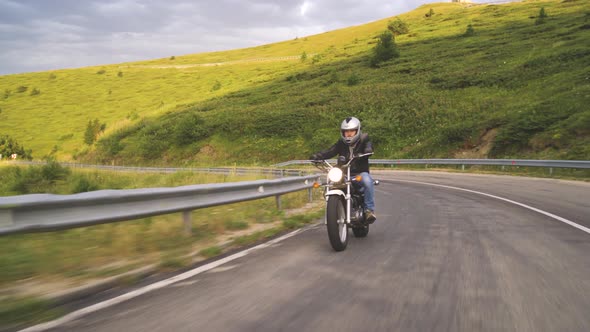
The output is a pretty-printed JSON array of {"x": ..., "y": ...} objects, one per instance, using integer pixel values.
[{"x": 335, "y": 192}]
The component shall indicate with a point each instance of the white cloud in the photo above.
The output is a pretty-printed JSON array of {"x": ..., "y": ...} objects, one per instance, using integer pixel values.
[{"x": 305, "y": 6}]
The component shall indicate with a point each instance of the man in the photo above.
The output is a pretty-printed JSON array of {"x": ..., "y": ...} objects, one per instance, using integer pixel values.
[{"x": 351, "y": 143}]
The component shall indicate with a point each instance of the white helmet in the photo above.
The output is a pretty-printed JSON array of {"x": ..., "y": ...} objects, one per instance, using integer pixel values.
[{"x": 350, "y": 123}]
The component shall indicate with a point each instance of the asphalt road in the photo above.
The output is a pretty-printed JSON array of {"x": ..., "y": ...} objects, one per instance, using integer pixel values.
[{"x": 437, "y": 259}]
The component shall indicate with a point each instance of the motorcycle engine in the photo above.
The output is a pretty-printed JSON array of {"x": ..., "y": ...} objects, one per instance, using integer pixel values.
[{"x": 357, "y": 214}]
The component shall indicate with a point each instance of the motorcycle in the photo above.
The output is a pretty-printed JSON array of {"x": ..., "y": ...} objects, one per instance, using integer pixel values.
[{"x": 344, "y": 202}]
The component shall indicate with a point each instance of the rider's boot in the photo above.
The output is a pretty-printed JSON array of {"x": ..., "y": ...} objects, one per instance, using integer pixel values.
[{"x": 370, "y": 216}]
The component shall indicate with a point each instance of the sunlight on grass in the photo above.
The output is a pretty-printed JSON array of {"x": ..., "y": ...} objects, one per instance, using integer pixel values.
[{"x": 263, "y": 104}]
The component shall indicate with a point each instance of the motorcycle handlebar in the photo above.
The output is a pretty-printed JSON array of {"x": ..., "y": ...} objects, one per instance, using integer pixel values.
[{"x": 320, "y": 162}]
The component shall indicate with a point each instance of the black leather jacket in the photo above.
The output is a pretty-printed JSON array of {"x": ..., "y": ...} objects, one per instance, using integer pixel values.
[{"x": 363, "y": 145}]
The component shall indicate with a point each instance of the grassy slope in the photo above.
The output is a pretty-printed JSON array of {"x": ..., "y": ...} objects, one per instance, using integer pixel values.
[{"x": 530, "y": 82}]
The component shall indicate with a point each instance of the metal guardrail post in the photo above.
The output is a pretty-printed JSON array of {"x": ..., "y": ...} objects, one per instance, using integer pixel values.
[
  {"x": 187, "y": 221},
  {"x": 278, "y": 200}
]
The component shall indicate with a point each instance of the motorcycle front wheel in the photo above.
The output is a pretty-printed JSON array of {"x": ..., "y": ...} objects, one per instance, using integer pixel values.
[{"x": 336, "y": 223}]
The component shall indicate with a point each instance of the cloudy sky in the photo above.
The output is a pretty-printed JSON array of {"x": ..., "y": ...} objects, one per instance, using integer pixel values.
[{"x": 38, "y": 35}]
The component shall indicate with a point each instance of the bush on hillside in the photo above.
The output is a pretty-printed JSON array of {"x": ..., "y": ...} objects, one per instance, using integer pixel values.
[
  {"x": 9, "y": 146},
  {"x": 333, "y": 78},
  {"x": 386, "y": 49},
  {"x": 316, "y": 58},
  {"x": 21, "y": 89},
  {"x": 470, "y": 31},
  {"x": 35, "y": 92},
  {"x": 353, "y": 79},
  {"x": 541, "y": 18},
  {"x": 190, "y": 129},
  {"x": 303, "y": 57},
  {"x": 398, "y": 27},
  {"x": 108, "y": 147},
  {"x": 154, "y": 139},
  {"x": 93, "y": 128}
]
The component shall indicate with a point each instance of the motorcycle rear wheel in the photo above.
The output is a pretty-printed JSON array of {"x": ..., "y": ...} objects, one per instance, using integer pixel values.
[{"x": 336, "y": 223}]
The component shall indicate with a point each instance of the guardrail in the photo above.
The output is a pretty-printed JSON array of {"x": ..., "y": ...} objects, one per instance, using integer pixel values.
[
  {"x": 47, "y": 212},
  {"x": 463, "y": 162},
  {"x": 214, "y": 170}
]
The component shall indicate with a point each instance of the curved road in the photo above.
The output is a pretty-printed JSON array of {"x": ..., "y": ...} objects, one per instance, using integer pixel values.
[{"x": 437, "y": 259}]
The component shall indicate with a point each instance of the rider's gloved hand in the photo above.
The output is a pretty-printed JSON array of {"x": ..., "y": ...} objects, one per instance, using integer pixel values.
[{"x": 315, "y": 156}]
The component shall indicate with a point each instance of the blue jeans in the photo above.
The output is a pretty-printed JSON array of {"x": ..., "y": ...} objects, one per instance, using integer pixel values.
[{"x": 368, "y": 189}]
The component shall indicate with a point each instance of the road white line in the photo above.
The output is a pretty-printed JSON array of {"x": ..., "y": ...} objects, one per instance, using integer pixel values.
[
  {"x": 160, "y": 284},
  {"x": 569, "y": 222}
]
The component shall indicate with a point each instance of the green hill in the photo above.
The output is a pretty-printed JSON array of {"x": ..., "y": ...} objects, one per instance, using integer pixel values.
[{"x": 515, "y": 87}]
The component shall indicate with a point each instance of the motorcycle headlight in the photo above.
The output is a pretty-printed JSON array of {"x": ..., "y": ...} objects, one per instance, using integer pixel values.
[{"x": 335, "y": 175}]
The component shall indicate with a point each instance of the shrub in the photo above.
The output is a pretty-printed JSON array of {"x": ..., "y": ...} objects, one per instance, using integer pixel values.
[
  {"x": 398, "y": 27},
  {"x": 316, "y": 58},
  {"x": 541, "y": 18},
  {"x": 52, "y": 76},
  {"x": 353, "y": 79},
  {"x": 303, "y": 56},
  {"x": 100, "y": 72},
  {"x": 333, "y": 78},
  {"x": 172, "y": 57},
  {"x": 93, "y": 128},
  {"x": 109, "y": 146},
  {"x": 82, "y": 185},
  {"x": 9, "y": 146},
  {"x": 21, "y": 89},
  {"x": 39, "y": 179},
  {"x": 430, "y": 13},
  {"x": 120, "y": 74},
  {"x": 216, "y": 86},
  {"x": 385, "y": 49},
  {"x": 35, "y": 92},
  {"x": 53, "y": 171},
  {"x": 470, "y": 31},
  {"x": 190, "y": 129},
  {"x": 154, "y": 139}
]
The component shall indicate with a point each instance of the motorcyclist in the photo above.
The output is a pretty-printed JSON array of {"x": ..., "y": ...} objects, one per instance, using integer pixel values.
[{"x": 351, "y": 143}]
